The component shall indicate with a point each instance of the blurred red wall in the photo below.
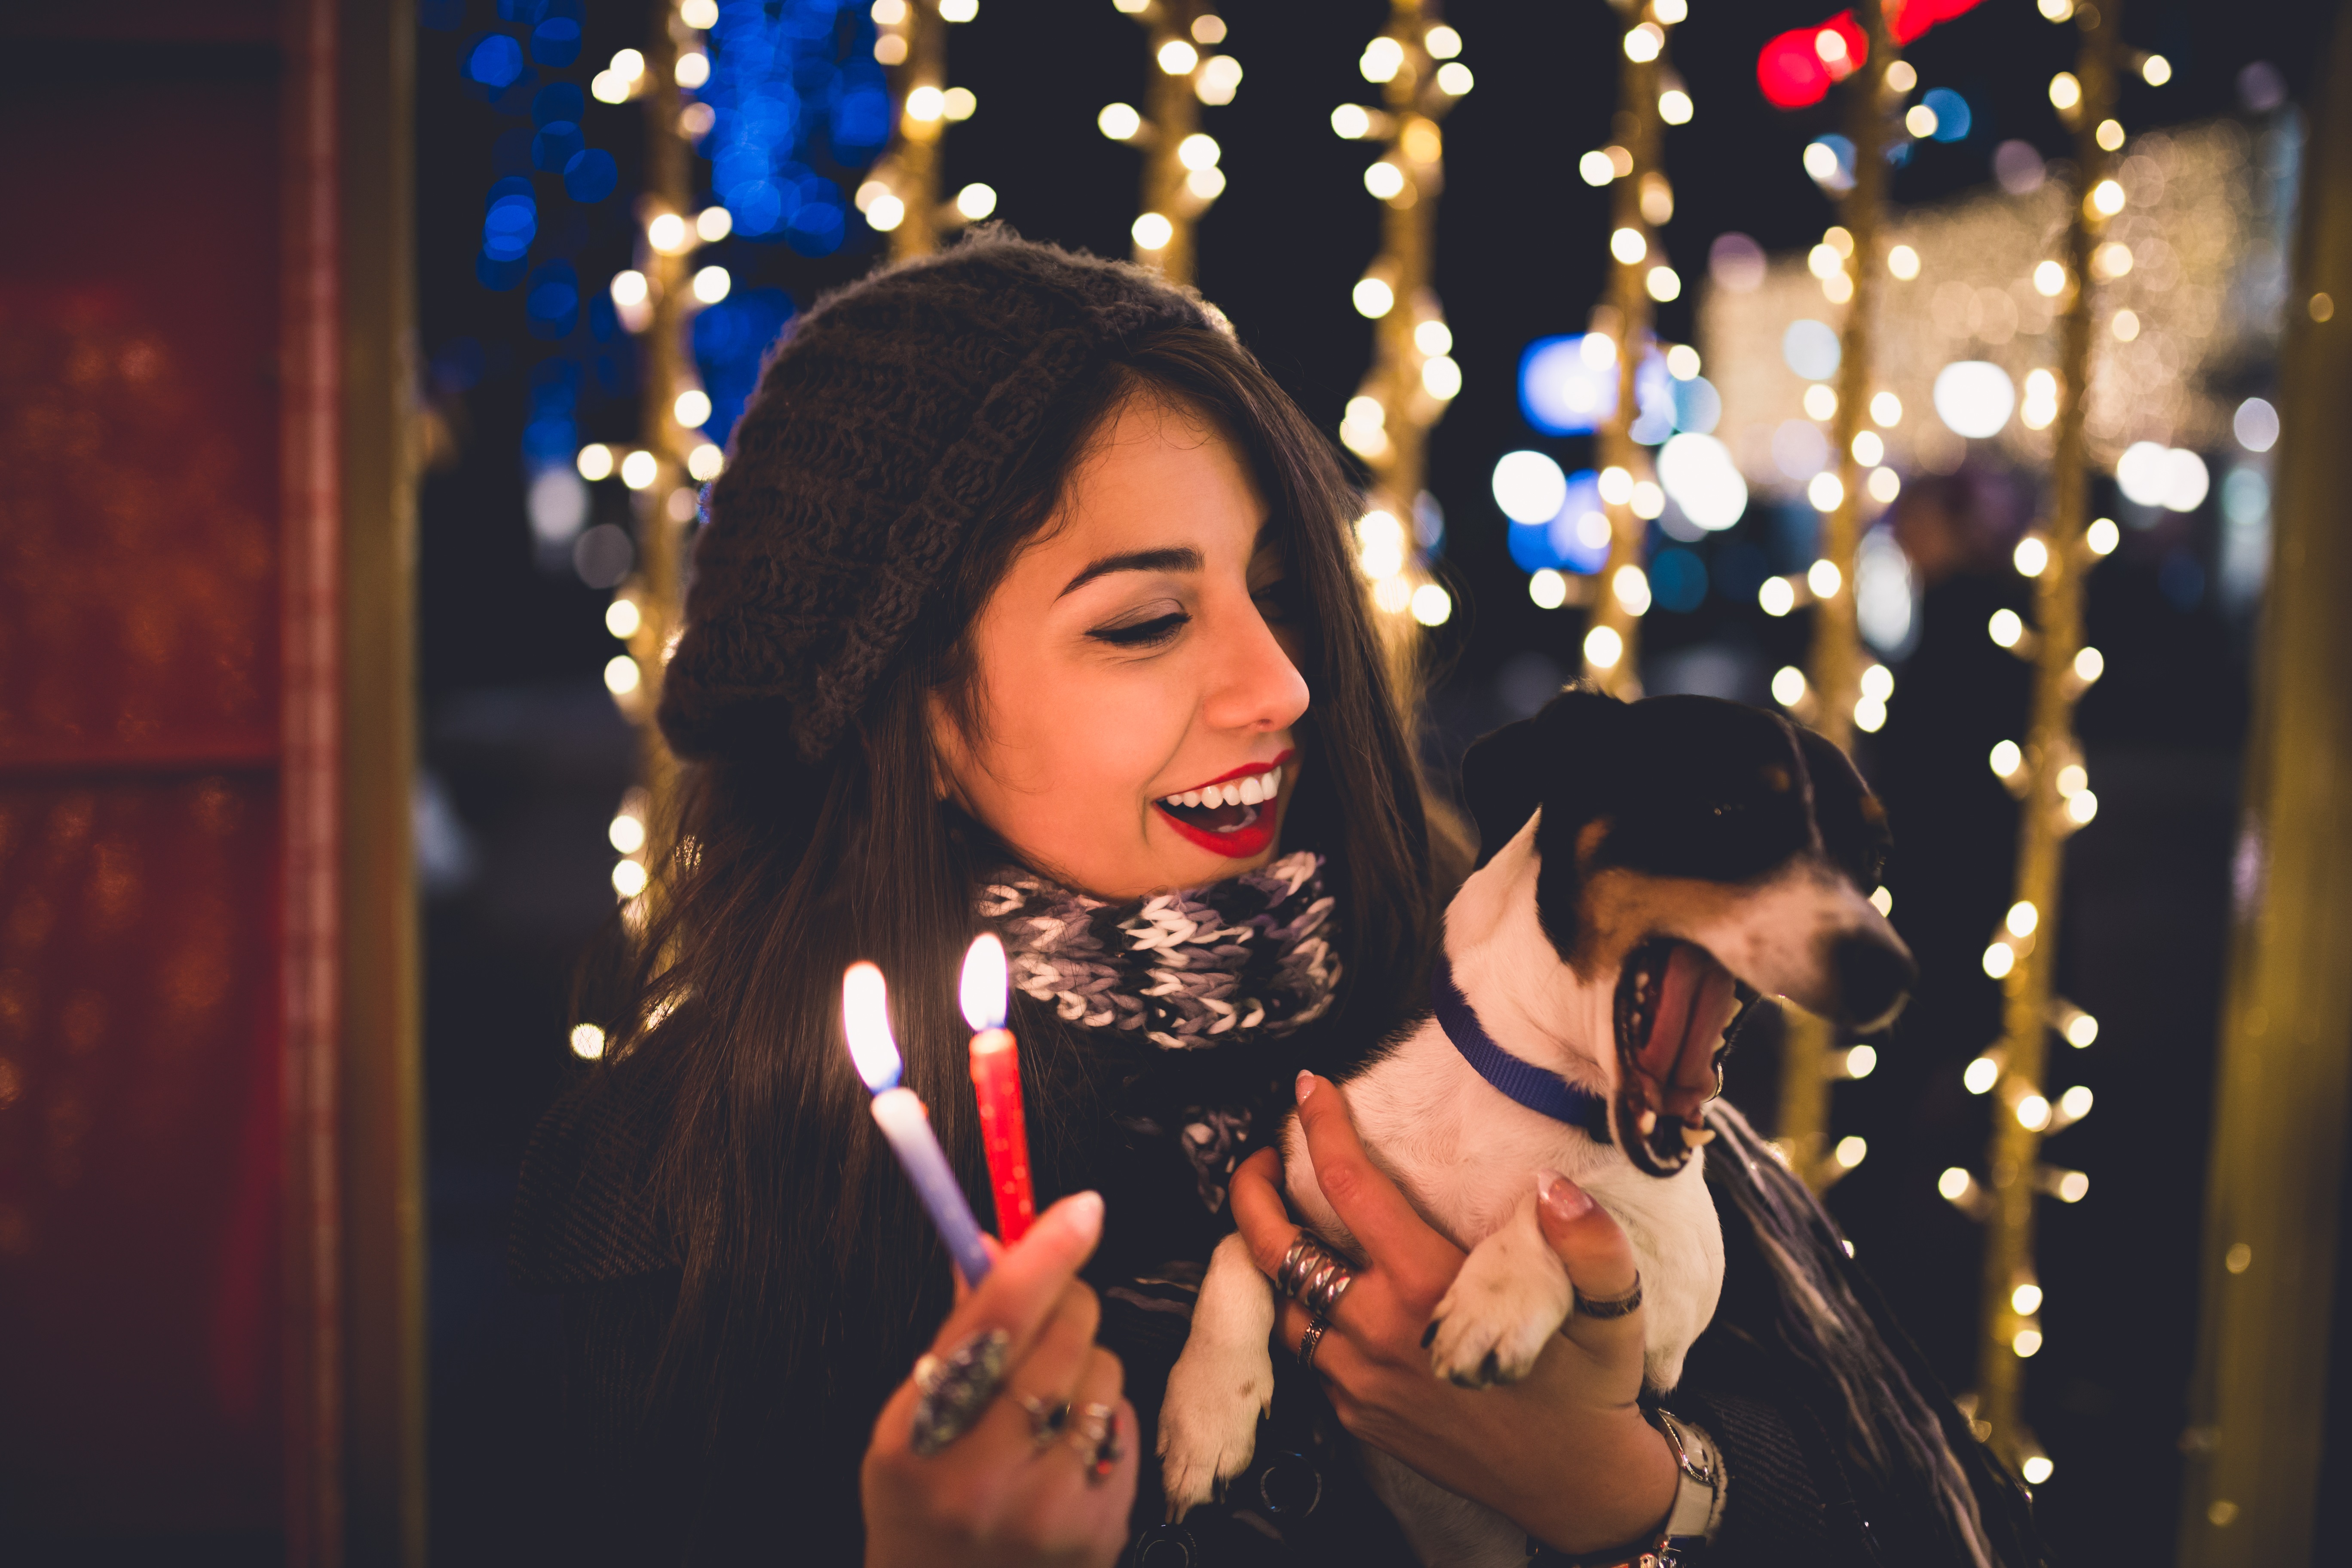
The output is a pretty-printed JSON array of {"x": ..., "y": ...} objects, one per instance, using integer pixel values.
[{"x": 141, "y": 1334}]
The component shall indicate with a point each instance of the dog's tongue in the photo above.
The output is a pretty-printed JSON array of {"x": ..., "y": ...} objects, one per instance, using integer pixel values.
[{"x": 1697, "y": 1001}]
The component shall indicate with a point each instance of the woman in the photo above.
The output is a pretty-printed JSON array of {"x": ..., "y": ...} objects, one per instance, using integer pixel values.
[{"x": 1019, "y": 562}]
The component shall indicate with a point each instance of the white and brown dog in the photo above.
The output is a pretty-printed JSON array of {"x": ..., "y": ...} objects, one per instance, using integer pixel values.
[{"x": 1645, "y": 868}]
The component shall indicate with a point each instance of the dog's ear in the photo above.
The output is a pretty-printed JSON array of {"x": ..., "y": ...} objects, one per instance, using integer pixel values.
[
  {"x": 1852, "y": 822},
  {"x": 1507, "y": 774}
]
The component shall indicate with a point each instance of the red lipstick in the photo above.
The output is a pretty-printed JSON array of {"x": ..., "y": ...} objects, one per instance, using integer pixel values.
[{"x": 1237, "y": 832}]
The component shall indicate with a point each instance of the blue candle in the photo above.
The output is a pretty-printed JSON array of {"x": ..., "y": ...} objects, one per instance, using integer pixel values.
[{"x": 865, "y": 1018}]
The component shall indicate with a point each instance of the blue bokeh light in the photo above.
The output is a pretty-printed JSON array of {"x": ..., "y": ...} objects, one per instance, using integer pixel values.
[
  {"x": 1560, "y": 393},
  {"x": 1952, "y": 116},
  {"x": 1698, "y": 407},
  {"x": 555, "y": 35},
  {"x": 1563, "y": 392},
  {"x": 590, "y": 175},
  {"x": 730, "y": 339},
  {"x": 778, "y": 95},
  {"x": 511, "y": 220},
  {"x": 494, "y": 62},
  {"x": 1654, "y": 400},
  {"x": 551, "y": 304},
  {"x": 1559, "y": 544},
  {"x": 552, "y": 435},
  {"x": 1677, "y": 580}
]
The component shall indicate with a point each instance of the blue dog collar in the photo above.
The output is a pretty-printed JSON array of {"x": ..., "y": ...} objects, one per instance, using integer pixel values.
[{"x": 1545, "y": 1093}]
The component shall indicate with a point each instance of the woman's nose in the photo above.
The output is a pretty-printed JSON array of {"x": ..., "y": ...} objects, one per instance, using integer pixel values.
[{"x": 1256, "y": 685}]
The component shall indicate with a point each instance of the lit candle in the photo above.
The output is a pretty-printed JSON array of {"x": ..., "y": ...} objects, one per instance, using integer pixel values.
[
  {"x": 996, "y": 1079},
  {"x": 865, "y": 1018}
]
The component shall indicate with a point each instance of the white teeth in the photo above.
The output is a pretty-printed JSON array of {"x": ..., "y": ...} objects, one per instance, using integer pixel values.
[
  {"x": 1273, "y": 783},
  {"x": 1252, "y": 791},
  {"x": 1648, "y": 1122},
  {"x": 1191, "y": 797}
]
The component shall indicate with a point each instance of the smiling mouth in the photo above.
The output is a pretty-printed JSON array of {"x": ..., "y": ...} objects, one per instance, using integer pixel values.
[
  {"x": 1676, "y": 1011},
  {"x": 1235, "y": 815}
]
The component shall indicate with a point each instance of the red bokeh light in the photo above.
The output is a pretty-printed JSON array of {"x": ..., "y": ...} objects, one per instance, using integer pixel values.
[{"x": 1792, "y": 72}]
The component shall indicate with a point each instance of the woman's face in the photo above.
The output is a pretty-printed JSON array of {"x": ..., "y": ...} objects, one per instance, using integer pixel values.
[{"x": 1133, "y": 658}]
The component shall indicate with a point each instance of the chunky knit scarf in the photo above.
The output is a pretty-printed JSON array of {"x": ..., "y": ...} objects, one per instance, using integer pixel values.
[{"x": 1249, "y": 956}]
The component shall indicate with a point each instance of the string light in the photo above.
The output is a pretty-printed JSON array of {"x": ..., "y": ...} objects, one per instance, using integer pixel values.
[
  {"x": 1843, "y": 698},
  {"x": 2046, "y": 774},
  {"x": 901, "y": 194},
  {"x": 1182, "y": 172},
  {"x": 1414, "y": 376},
  {"x": 1649, "y": 97}
]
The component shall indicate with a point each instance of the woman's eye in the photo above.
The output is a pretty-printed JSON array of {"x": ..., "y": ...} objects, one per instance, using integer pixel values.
[{"x": 1142, "y": 634}]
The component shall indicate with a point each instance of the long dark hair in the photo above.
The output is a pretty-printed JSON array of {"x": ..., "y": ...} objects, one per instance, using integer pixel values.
[{"x": 808, "y": 1271}]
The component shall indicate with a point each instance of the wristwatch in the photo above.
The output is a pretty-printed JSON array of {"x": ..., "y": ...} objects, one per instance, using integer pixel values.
[{"x": 1689, "y": 1524}]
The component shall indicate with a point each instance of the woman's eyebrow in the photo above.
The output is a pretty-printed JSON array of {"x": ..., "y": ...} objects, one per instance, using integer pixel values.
[{"x": 1175, "y": 559}]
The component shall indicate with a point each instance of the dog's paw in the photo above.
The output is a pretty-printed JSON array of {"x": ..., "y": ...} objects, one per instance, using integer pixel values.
[
  {"x": 1503, "y": 1306},
  {"x": 1208, "y": 1422}
]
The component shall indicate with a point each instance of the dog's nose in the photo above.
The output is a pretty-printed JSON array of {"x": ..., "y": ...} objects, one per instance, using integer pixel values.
[{"x": 1874, "y": 979}]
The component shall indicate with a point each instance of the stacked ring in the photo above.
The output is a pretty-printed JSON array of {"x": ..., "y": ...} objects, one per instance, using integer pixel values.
[{"x": 1314, "y": 1278}]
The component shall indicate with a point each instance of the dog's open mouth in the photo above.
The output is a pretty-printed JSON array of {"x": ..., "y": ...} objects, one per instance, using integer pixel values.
[{"x": 1675, "y": 1007}]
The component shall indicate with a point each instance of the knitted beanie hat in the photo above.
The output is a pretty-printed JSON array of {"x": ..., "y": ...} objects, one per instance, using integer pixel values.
[{"x": 890, "y": 418}]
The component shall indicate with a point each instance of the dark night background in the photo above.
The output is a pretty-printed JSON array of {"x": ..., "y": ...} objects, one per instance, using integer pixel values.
[{"x": 527, "y": 757}]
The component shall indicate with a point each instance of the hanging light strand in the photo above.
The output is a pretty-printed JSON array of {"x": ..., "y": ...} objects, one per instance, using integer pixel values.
[
  {"x": 1413, "y": 375},
  {"x": 902, "y": 195},
  {"x": 659, "y": 475},
  {"x": 1642, "y": 201},
  {"x": 1183, "y": 172},
  {"x": 1832, "y": 694},
  {"x": 2048, "y": 778}
]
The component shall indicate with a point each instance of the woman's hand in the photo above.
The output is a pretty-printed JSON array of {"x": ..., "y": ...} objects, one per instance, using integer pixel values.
[
  {"x": 1035, "y": 1479},
  {"x": 1566, "y": 1453}
]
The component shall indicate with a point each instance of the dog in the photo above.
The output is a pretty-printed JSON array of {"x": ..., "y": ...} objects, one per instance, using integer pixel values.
[{"x": 1647, "y": 872}]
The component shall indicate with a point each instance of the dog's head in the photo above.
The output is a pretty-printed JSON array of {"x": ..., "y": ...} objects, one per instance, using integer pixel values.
[{"x": 1694, "y": 854}]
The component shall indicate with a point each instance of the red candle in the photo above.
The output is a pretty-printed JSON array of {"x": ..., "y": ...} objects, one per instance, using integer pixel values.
[{"x": 996, "y": 1079}]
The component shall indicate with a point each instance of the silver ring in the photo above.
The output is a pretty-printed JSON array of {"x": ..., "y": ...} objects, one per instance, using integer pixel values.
[
  {"x": 1312, "y": 1343},
  {"x": 953, "y": 1390},
  {"x": 1306, "y": 1255},
  {"x": 1315, "y": 1276},
  {"x": 1322, "y": 1294}
]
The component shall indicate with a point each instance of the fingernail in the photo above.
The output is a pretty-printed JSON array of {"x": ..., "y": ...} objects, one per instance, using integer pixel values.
[
  {"x": 1561, "y": 1198},
  {"x": 1083, "y": 1213},
  {"x": 1305, "y": 1086}
]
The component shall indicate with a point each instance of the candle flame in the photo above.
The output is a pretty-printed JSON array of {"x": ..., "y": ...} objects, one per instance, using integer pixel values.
[
  {"x": 983, "y": 982},
  {"x": 866, "y": 1019}
]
